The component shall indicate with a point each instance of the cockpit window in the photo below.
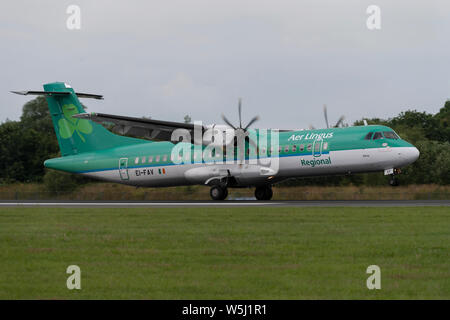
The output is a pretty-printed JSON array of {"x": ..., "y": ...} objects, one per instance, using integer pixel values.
[
  {"x": 368, "y": 136},
  {"x": 377, "y": 135},
  {"x": 391, "y": 135}
]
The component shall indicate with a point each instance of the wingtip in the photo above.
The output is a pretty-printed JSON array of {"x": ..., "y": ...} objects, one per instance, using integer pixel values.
[{"x": 19, "y": 92}]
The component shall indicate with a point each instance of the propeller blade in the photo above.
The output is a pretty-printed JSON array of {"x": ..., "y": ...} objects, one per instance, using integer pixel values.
[
  {"x": 339, "y": 121},
  {"x": 251, "y": 122},
  {"x": 227, "y": 121},
  {"x": 240, "y": 112},
  {"x": 311, "y": 127},
  {"x": 240, "y": 137},
  {"x": 326, "y": 115}
]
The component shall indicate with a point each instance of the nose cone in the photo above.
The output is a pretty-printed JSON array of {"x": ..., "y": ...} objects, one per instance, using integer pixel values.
[
  {"x": 412, "y": 154},
  {"x": 416, "y": 154}
]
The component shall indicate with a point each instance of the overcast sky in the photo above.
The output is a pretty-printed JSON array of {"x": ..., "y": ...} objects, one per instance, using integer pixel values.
[{"x": 166, "y": 59}]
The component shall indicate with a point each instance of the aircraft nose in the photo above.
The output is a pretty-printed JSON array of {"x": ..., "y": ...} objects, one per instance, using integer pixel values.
[{"x": 413, "y": 154}]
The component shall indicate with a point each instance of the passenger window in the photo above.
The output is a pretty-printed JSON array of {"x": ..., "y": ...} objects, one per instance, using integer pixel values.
[
  {"x": 302, "y": 147},
  {"x": 143, "y": 159},
  {"x": 377, "y": 136},
  {"x": 157, "y": 159},
  {"x": 150, "y": 159},
  {"x": 294, "y": 148},
  {"x": 309, "y": 147},
  {"x": 368, "y": 136},
  {"x": 286, "y": 149},
  {"x": 136, "y": 161},
  {"x": 165, "y": 157},
  {"x": 325, "y": 146},
  {"x": 390, "y": 135},
  {"x": 279, "y": 149}
]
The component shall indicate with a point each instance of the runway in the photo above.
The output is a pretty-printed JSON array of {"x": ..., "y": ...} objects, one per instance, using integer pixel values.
[{"x": 230, "y": 204}]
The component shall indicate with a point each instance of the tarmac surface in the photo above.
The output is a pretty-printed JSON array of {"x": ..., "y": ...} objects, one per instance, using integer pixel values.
[{"x": 229, "y": 203}]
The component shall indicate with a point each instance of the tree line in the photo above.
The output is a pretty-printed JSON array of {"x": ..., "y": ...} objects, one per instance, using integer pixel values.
[
  {"x": 430, "y": 133},
  {"x": 27, "y": 143}
]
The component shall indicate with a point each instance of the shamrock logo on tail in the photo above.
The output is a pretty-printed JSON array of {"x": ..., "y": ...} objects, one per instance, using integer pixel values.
[{"x": 68, "y": 125}]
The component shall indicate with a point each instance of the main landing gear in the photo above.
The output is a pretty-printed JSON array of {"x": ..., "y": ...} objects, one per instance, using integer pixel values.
[
  {"x": 263, "y": 193},
  {"x": 220, "y": 192}
]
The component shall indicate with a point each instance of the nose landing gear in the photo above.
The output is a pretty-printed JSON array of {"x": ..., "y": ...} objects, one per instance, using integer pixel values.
[{"x": 393, "y": 181}]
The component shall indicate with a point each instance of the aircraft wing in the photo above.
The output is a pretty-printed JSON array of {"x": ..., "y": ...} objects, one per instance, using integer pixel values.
[{"x": 150, "y": 129}]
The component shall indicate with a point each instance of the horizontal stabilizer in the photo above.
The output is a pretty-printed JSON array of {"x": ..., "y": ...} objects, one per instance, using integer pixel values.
[{"x": 50, "y": 93}]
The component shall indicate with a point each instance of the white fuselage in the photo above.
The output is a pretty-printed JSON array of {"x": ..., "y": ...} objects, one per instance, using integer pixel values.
[{"x": 251, "y": 174}]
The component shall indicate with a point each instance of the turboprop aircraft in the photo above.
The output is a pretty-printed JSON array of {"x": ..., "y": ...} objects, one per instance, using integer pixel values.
[{"x": 219, "y": 156}]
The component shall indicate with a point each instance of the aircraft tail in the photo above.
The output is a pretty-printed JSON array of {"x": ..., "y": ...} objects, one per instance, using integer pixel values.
[{"x": 77, "y": 135}]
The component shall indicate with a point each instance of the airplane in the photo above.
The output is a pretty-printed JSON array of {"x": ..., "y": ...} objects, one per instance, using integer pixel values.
[{"x": 162, "y": 153}]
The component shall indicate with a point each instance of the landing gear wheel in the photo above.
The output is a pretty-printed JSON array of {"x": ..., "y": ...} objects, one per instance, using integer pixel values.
[
  {"x": 218, "y": 192},
  {"x": 263, "y": 193},
  {"x": 393, "y": 181}
]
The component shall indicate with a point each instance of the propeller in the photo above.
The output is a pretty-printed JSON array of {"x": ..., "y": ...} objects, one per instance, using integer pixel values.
[
  {"x": 325, "y": 115},
  {"x": 241, "y": 133},
  {"x": 338, "y": 123}
]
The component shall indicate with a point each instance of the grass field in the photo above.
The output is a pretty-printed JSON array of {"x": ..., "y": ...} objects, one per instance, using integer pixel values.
[{"x": 238, "y": 253}]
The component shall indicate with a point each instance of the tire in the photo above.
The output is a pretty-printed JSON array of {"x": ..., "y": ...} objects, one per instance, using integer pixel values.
[
  {"x": 393, "y": 182},
  {"x": 218, "y": 192},
  {"x": 263, "y": 193},
  {"x": 269, "y": 193}
]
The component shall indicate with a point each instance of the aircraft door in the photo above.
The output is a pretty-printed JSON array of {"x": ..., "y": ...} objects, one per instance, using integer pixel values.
[
  {"x": 123, "y": 168},
  {"x": 317, "y": 148}
]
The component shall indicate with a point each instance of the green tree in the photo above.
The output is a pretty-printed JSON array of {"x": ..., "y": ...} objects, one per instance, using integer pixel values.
[
  {"x": 56, "y": 181},
  {"x": 432, "y": 165},
  {"x": 443, "y": 118},
  {"x": 26, "y": 144},
  {"x": 187, "y": 119}
]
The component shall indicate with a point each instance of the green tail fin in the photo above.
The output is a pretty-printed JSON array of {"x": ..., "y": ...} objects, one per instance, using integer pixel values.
[{"x": 78, "y": 135}]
